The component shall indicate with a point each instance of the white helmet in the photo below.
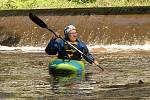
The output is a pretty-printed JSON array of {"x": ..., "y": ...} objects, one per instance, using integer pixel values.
[{"x": 69, "y": 28}]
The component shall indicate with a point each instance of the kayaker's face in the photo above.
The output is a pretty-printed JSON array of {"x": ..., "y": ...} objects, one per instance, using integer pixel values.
[{"x": 73, "y": 35}]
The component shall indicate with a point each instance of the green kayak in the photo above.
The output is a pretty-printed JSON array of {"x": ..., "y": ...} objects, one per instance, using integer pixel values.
[{"x": 67, "y": 68}]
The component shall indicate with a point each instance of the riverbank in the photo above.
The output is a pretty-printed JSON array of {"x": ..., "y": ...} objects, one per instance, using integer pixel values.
[{"x": 52, "y": 4}]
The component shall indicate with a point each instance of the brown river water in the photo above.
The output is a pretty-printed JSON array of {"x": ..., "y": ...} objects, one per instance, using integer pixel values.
[
  {"x": 119, "y": 41},
  {"x": 126, "y": 76}
]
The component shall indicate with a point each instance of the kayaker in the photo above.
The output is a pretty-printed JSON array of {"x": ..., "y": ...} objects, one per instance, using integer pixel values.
[{"x": 58, "y": 47}]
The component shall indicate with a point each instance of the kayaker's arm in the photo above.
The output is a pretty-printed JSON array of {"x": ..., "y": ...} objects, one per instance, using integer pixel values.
[
  {"x": 52, "y": 47},
  {"x": 89, "y": 58}
]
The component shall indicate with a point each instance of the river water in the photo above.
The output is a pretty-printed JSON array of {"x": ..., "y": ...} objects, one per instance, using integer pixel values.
[{"x": 24, "y": 75}]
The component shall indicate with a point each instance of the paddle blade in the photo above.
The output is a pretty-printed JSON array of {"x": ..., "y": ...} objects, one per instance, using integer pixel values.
[{"x": 37, "y": 20}]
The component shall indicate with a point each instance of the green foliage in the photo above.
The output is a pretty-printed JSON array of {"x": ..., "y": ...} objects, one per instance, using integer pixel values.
[
  {"x": 88, "y": 1},
  {"x": 83, "y": 1},
  {"x": 48, "y": 4},
  {"x": 15, "y": 4}
]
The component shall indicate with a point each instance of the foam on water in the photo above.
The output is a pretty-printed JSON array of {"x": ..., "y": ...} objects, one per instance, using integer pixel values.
[
  {"x": 92, "y": 48},
  {"x": 118, "y": 48},
  {"x": 25, "y": 49}
]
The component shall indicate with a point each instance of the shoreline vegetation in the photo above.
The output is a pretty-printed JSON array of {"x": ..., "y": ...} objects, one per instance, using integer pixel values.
[{"x": 54, "y": 4}]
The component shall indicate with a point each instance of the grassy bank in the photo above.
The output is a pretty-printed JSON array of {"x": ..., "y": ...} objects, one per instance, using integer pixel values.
[{"x": 47, "y": 4}]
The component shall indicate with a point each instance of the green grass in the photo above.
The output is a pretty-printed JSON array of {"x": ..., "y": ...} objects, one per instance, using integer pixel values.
[{"x": 48, "y": 4}]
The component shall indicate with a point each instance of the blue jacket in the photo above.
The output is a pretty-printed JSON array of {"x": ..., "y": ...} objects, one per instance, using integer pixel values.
[{"x": 58, "y": 46}]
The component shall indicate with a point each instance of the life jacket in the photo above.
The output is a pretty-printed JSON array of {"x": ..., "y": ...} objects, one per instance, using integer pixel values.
[{"x": 70, "y": 53}]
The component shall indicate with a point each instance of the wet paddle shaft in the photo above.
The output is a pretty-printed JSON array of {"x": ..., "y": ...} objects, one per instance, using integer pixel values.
[{"x": 39, "y": 22}]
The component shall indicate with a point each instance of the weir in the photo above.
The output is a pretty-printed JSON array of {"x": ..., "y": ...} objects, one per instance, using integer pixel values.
[{"x": 96, "y": 26}]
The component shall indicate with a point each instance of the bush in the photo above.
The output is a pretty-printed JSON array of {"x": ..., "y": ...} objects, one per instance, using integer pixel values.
[
  {"x": 83, "y": 1},
  {"x": 88, "y": 1}
]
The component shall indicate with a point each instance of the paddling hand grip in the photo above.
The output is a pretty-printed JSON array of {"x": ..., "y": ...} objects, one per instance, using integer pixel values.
[{"x": 92, "y": 61}]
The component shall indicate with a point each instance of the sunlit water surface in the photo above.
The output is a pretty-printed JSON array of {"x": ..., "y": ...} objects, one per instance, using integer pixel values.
[{"x": 126, "y": 76}]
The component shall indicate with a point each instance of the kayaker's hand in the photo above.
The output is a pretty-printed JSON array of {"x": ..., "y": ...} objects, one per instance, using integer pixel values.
[
  {"x": 55, "y": 37},
  {"x": 96, "y": 62}
]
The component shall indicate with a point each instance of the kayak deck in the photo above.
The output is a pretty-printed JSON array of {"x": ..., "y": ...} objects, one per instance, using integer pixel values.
[{"x": 66, "y": 68}]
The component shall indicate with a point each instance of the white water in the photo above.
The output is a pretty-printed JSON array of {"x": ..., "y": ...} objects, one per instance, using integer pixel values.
[
  {"x": 25, "y": 49},
  {"x": 98, "y": 48},
  {"x": 118, "y": 48}
]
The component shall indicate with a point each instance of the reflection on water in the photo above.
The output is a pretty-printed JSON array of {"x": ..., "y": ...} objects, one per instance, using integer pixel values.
[{"x": 25, "y": 75}]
